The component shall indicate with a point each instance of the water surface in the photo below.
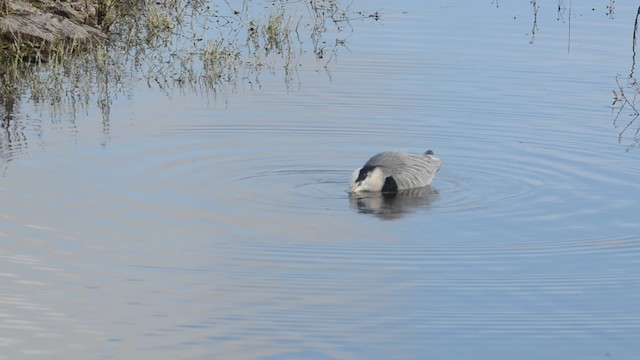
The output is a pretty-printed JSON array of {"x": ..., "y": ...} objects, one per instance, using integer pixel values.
[{"x": 192, "y": 226}]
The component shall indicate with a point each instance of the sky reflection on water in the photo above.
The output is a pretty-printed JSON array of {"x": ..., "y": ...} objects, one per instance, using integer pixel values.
[{"x": 198, "y": 227}]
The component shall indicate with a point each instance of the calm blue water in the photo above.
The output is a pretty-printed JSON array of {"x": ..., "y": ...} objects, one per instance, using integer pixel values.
[{"x": 194, "y": 226}]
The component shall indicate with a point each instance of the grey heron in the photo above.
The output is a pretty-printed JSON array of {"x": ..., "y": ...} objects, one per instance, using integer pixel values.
[{"x": 391, "y": 171}]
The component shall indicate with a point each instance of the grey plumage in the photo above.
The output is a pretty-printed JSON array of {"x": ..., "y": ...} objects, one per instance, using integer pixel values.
[
  {"x": 408, "y": 170},
  {"x": 393, "y": 170}
]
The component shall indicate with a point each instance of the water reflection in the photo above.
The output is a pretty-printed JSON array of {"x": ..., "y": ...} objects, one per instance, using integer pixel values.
[
  {"x": 392, "y": 206},
  {"x": 225, "y": 233},
  {"x": 627, "y": 89},
  {"x": 188, "y": 46},
  {"x": 11, "y": 133},
  {"x": 625, "y": 103}
]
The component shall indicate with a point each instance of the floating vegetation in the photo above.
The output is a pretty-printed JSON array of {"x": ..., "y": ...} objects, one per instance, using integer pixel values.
[{"x": 199, "y": 45}]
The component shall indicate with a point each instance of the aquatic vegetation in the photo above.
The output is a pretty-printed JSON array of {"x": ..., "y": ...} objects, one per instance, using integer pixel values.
[
  {"x": 626, "y": 92},
  {"x": 199, "y": 45},
  {"x": 625, "y": 99}
]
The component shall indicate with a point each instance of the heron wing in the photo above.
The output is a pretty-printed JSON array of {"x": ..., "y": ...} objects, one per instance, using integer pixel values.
[{"x": 408, "y": 171}]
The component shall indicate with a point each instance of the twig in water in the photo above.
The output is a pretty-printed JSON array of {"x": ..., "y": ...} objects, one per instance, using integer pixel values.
[{"x": 633, "y": 47}]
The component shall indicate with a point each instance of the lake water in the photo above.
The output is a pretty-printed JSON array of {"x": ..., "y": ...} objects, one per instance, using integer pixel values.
[{"x": 218, "y": 227}]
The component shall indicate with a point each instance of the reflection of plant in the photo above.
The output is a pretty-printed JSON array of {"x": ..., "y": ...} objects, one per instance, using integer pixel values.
[
  {"x": 196, "y": 44},
  {"x": 624, "y": 104},
  {"x": 200, "y": 46},
  {"x": 611, "y": 8},
  {"x": 534, "y": 28},
  {"x": 626, "y": 96}
]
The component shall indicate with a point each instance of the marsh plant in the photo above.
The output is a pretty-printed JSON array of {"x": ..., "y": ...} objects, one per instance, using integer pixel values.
[
  {"x": 195, "y": 45},
  {"x": 626, "y": 98}
]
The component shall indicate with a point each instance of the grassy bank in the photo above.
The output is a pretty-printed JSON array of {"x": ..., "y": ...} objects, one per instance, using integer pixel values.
[{"x": 194, "y": 45}]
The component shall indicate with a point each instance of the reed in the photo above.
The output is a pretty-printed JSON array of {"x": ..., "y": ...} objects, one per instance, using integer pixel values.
[{"x": 171, "y": 44}]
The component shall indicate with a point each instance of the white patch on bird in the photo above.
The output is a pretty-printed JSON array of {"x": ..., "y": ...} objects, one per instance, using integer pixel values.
[
  {"x": 354, "y": 177},
  {"x": 403, "y": 170},
  {"x": 374, "y": 181}
]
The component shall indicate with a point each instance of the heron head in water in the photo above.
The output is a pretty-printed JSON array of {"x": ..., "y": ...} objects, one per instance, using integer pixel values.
[{"x": 371, "y": 178}]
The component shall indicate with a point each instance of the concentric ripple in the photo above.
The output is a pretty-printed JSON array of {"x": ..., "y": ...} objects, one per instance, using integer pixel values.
[
  {"x": 295, "y": 168},
  {"x": 306, "y": 166},
  {"x": 192, "y": 227},
  {"x": 307, "y": 190}
]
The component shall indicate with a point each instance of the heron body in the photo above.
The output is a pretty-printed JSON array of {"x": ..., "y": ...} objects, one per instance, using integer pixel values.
[{"x": 392, "y": 171}]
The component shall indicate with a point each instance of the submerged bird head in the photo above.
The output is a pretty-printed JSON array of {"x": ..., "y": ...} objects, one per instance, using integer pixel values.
[{"x": 367, "y": 178}]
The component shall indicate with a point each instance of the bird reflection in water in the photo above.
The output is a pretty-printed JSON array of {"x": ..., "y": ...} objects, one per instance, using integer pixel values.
[{"x": 393, "y": 205}]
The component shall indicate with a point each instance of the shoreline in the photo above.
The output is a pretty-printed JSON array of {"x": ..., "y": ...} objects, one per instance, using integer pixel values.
[{"x": 31, "y": 30}]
